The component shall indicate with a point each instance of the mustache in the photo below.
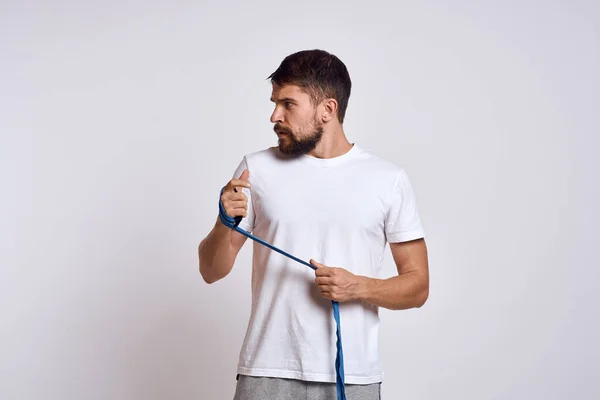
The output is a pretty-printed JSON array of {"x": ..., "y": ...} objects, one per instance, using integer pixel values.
[{"x": 281, "y": 129}]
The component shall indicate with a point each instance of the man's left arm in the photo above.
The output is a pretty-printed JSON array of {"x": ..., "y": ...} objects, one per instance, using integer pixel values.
[{"x": 409, "y": 289}]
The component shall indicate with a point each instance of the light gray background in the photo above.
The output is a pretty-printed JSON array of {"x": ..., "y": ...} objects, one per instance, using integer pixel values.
[{"x": 120, "y": 122}]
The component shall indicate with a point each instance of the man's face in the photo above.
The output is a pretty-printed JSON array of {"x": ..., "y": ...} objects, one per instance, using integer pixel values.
[{"x": 295, "y": 118}]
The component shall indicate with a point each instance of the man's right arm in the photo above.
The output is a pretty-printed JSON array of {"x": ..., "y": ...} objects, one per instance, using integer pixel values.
[{"x": 218, "y": 251}]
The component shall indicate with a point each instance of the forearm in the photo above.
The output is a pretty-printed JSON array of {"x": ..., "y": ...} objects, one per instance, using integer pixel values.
[
  {"x": 409, "y": 290},
  {"x": 216, "y": 253}
]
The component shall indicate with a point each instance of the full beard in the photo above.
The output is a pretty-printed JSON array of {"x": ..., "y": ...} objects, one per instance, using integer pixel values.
[{"x": 291, "y": 145}]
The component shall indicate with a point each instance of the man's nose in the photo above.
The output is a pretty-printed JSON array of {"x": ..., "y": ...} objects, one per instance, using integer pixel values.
[{"x": 276, "y": 116}]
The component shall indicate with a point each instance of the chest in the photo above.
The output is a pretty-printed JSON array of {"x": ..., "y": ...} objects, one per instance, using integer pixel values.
[{"x": 341, "y": 199}]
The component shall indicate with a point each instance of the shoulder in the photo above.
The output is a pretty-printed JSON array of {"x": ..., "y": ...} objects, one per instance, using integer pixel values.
[
  {"x": 268, "y": 158},
  {"x": 387, "y": 174},
  {"x": 266, "y": 152},
  {"x": 378, "y": 164}
]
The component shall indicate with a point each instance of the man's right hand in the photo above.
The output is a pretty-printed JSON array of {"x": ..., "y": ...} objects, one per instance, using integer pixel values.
[
  {"x": 218, "y": 250},
  {"x": 234, "y": 200}
]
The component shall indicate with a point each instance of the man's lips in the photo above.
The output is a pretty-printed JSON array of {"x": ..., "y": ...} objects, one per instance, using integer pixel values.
[{"x": 281, "y": 131}]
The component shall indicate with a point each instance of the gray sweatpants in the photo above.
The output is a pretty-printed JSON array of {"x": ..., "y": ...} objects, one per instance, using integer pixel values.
[{"x": 259, "y": 388}]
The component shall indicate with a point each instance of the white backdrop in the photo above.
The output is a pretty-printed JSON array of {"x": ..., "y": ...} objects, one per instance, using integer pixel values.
[{"x": 120, "y": 122}]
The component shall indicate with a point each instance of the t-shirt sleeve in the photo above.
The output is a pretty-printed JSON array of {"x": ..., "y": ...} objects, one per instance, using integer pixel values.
[
  {"x": 403, "y": 222},
  {"x": 247, "y": 223}
]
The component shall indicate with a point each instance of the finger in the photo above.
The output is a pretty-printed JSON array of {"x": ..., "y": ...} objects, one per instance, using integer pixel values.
[
  {"x": 235, "y": 207},
  {"x": 323, "y": 271},
  {"x": 237, "y": 203},
  {"x": 328, "y": 289},
  {"x": 244, "y": 181},
  {"x": 237, "y": 183},
  {"x": 245, "y": 175},
  {"x": 237, "y": 212},
  {"x": 323, "y": 280},
  {"x": 230, "y": 196},
  {"x": 327, "y": 295},
  {"x": 230, "y": 203}
]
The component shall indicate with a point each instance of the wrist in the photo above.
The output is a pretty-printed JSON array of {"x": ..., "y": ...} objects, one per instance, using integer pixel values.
[{"x": 364, "y": 287}]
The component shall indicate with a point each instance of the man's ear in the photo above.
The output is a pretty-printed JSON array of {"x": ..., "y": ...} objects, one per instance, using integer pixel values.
[{"x": 330, "y": 107}]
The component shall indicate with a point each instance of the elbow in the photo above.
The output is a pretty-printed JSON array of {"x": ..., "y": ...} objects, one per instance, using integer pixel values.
[
  {"x": 212, "y": 268},
  {"x": 421, "y": 298},
  {"x": 422, "y": 294},
  {"x": 208, "y": 278},
  {"x": 203, "y": 268},
  {"x": 212, "y": 273}
]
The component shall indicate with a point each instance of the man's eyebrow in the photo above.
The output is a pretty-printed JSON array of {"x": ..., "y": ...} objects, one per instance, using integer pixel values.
[{"x": 285, "y": 99}]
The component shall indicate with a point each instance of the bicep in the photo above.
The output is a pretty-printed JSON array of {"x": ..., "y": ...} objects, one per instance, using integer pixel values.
[{"x": 411, "y": 256}]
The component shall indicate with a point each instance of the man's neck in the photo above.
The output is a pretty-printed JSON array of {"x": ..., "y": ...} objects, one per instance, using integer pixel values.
[{"x": 333, "y": 144}]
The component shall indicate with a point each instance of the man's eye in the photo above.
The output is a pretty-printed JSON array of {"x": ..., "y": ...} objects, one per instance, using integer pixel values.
[{"x": 288, "y": 104}]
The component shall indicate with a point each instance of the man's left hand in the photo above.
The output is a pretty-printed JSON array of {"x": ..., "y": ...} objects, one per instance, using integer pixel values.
[{"x": 337, "y": 283}]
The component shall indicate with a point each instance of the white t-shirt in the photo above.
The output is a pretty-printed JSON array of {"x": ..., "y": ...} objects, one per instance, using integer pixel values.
[{"x": 341, "y": 212}]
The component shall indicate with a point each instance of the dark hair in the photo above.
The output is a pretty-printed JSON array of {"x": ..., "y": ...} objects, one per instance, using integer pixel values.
[{"x": 320, "y": 74}]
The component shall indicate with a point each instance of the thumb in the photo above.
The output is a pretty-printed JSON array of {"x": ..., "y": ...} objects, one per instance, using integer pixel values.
[
  {"x": 316, "y": 264},
  {"x": 245, "y": 175}
]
